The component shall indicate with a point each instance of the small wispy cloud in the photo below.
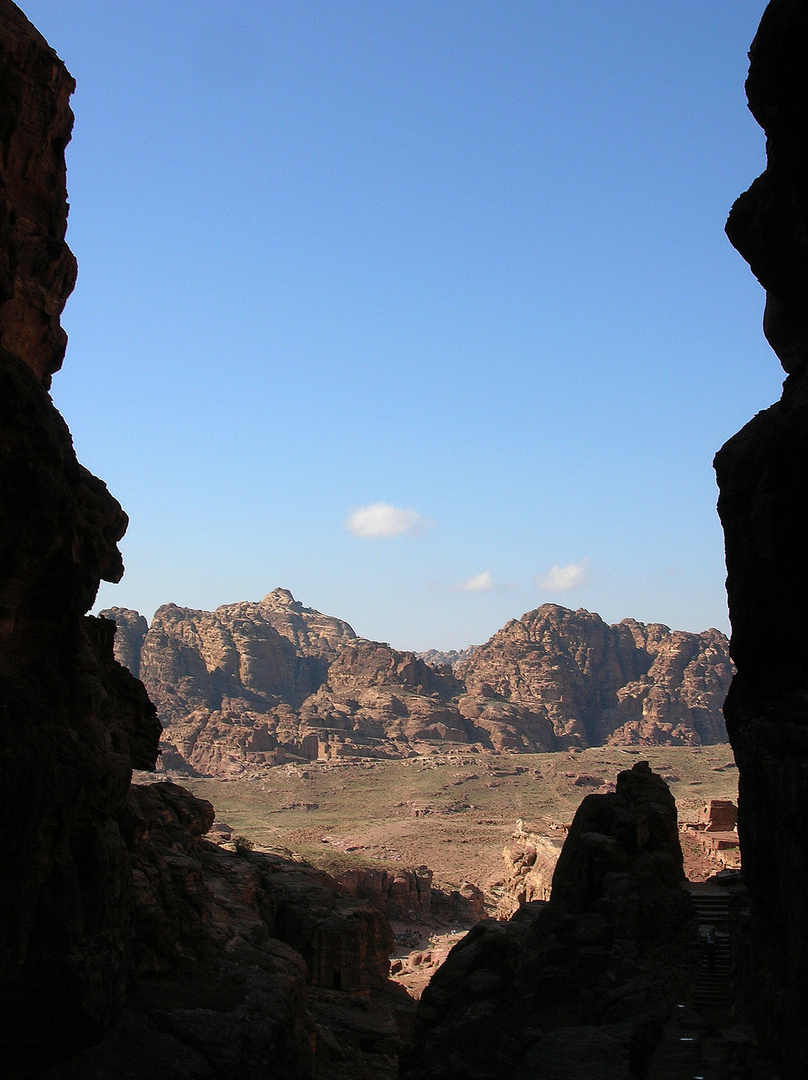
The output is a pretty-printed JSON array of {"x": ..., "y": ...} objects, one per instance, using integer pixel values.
[
  {"x": 381, "y": 520},
  {"x": 483, "y": 582},
  {"x": 564, "y": 578}
]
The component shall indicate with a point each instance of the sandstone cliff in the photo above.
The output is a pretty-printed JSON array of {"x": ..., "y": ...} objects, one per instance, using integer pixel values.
[
  {"x": 244, "y": 685},
  {"x": 763, "y": 478},
  {"x": 74, "y": 722},
  {"x": 590, "y": 683}
]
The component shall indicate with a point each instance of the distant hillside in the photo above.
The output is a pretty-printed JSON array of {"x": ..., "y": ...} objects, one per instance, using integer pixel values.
[
  {"x": 253, "y": 683},
  {"x": 451, "y": 657}
]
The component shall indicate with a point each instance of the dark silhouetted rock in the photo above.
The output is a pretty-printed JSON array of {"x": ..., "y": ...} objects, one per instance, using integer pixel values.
[
  {"x": 246, "y": 965},
  {"x": 579, "y": 986},
  {"x": 763, "y": 478},
  {"x": 73, "y": 722}
]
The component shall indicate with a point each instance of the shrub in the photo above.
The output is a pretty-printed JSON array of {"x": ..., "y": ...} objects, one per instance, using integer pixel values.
[{"x": 243, "y": 845}]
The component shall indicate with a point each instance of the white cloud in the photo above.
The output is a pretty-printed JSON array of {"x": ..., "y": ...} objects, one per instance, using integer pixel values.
[
  {"x": 382, "y": 520},
  {"x": 565, "y": 578},
  {"x": 479, "y": 583}
]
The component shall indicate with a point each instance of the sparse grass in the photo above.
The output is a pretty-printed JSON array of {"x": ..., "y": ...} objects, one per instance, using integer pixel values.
[{"x": 472, "y": 803}]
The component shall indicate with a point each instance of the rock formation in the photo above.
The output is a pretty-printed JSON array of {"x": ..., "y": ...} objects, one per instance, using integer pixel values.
[
  {"x": 248, "y": 683},
  {"x": 74, "y": 722},
  {"x": 237, "y": 960},
  {"x": 131, "y": 946},
  {"x": 763, "y": 478},
  {"x": 37, "y": 268},
  {"x": 582, "y": 985},
  {"x": 592, "y": 683}
]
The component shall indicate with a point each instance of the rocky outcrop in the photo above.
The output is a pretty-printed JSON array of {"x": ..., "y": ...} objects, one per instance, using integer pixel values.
[
  {"x": 397, "y": 894},
  {"x": 37, "y": 268},
  {"x": 249, "y": 683},
  {"x": 73, "y": 722},
  {"x": 763, "y": 478},
  {"x": 582, "y": 985},
  {"x": 580, "y": 682},
  {"x": 530, "y": 862},
  {"x": 130, "y": 630},
  {"x": 238, "y": 959},
  {"x": 446, "y": 657}
]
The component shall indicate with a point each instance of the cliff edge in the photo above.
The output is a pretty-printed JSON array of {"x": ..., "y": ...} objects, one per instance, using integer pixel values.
[{"x": 763, "y": 479}]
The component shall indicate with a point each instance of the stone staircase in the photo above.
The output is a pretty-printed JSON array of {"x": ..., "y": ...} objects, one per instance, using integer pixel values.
[
  {"x": 713, "y": 986},
  {"x": 688, "y": 1050}
]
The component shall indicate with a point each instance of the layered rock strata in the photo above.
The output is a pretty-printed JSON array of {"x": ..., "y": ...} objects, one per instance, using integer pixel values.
[
  {"x": 594, "y": 684},
  {"x": 249, "y": 683},
  {"x": 73, "y": 722},
  {"x": 582, "y": 985},
  {"x": 763, "y": 478}
]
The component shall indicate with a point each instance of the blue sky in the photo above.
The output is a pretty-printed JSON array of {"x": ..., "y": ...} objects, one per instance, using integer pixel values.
[{"x": 422, "y": 310}]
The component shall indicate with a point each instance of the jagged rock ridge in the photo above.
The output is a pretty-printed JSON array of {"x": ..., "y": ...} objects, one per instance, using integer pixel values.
[{"x": 250, "y": 682}]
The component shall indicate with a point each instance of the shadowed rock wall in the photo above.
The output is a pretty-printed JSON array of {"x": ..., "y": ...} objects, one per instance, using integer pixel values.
[
  {"x": 73, "y": 722},
  {"x": 574, "y": 987},
  {"x": 763, "y": 478}
]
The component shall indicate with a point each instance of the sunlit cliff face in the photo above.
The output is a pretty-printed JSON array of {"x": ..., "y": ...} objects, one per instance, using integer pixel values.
[{"x": 769, "y": 223}]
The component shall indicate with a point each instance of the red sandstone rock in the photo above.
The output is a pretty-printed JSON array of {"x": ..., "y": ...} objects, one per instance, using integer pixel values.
[
  {"x": 37, "y": 268},
  {"x": 244, "y": 685}
]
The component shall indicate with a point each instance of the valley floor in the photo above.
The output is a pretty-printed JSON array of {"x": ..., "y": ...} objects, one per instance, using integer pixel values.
[{"x": 452, "y": 813}]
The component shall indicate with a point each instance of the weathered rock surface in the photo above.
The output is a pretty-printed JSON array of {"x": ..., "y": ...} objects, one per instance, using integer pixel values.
[
  {"x": 582, "y": 985},
  {"x": 530, "y": 862},
  {"x": 237, "y": 960},
  {"x": 37, "y": 268},
  {"x": 130, "y": 630},
  {"x": 248, "y": 683},
  {"x": 73, "y": 722},
  {"x": 446, "y": 657},
  {"x": 587, "y": 683},
  {"x": 763, "y": 478}
]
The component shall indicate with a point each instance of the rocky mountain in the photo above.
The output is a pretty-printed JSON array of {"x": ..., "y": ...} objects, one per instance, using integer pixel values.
[
  {"x": 249, "y": 683},
  {"x": 596, "y": 683},
  {"x": 446, "y": 657}
]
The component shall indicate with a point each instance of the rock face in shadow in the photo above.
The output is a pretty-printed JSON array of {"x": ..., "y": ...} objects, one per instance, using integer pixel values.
[
  {"x": 582, "y": 985},
  {"x": 243, "y": 685},
  {"x": 244, "y": 965},
  {"x": 763, "y": 478},
  {"x": 37, "y": 268},
  {"x": 73, "y": 722}
]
